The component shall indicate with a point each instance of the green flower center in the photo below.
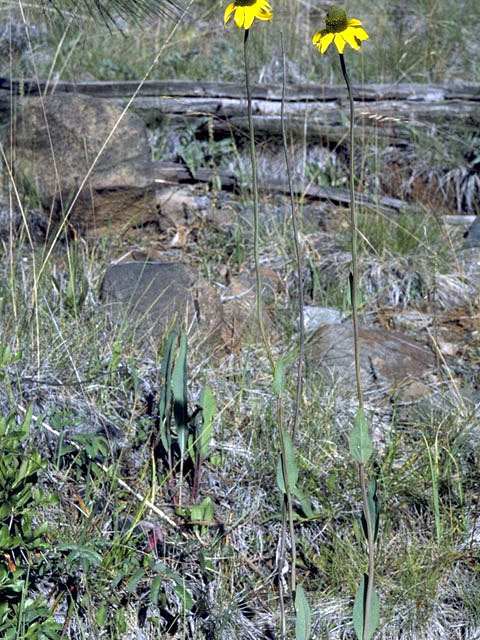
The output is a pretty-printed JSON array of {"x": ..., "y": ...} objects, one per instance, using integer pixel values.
[
  {"x": 336, "y": 20},
  {"x": 244, "y": 3}
]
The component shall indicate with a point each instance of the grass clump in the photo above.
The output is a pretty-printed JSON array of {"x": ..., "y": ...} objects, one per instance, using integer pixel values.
[{"x": 388, "y": 235}]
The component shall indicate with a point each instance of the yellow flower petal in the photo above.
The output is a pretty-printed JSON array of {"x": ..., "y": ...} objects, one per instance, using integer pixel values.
[
  {"x": 228, "y": 13},
  {"x": 349, "y": 36},
  {"x": 239, "y": 16},
  {"x": 360, "y": 33},
  {"x": 339, "y": 42},
  {"x": 264, "y": 14},
  {"x": 318, "y": 36},
  {"x": 249, "y": 17},
  {"x": 325, "y": 42},
  {"x": 353, "y": 22},
  {"x": 262, "y": 10}
]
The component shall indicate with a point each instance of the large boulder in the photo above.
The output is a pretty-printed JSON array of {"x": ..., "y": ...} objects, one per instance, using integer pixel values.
[
  {"x": 146, "y": 298},
  {"x": 55, "y": 159}
]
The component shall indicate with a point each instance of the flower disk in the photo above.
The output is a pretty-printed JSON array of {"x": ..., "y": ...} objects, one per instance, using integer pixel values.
[
  {"x": 246, "y": 11},
  {"x": 340, "y": 31}
]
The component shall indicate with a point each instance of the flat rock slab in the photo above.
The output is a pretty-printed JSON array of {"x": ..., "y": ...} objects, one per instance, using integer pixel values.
[
  {"x": 472, "y": 235},
  {"x": 389, "y": 361},
  {"x": 57, "y": 157},
  {"x": 146, "y": 298}
]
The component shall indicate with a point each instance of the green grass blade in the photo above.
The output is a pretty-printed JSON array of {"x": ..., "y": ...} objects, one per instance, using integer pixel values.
[
  {"x": 164, "y": 405},
  {"x": 165, "y": 371},
  {"x": 179, "y": 386},
  {"x": 209, "y": 407}
]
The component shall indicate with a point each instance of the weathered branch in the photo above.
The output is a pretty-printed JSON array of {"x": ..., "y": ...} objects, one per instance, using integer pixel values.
[{"x": 173, "y": 173}]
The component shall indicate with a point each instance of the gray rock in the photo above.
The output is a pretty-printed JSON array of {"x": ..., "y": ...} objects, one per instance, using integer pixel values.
[
  {"x": 469, "y": 262},
  {"x": 240, "y": 306},
  {"x": 146, "y": 298},
  {"x": 117, "y": 191},
  {"x": 411, "y": 320},
  {"x": 472, "y": 236},
  {"x": 388, "y": 360},
  {"x": 316, "y": 317}
]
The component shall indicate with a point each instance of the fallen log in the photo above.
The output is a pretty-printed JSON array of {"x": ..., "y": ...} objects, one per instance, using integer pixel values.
[
  {"x": 173, "y": 173},
  {"x": 393, "y": 111}
]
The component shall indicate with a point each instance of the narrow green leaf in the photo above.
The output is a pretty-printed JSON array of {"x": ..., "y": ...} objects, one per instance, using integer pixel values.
[
  {"x": 196, "y": 512},
  {"x": 373, "y": 509},
  {"x": 303, "y": 620},
  {"x": 157, "y": 566},
  {"x": 279, "y": 378},
  {"x": 179, "y": 386},
  {"x": 4, "y": 356},
  {"x": 207, "y": 509},
  {"x": 24, "y": 428},
  {"x": 360, "y": 443},
  {"x": 347, "y": 295},
  {"x": 101, "y": 614},
  {"x": 165, "y": 372},
  {"x": 305, "y": 501},
  {"x": 120, "y": 620},
  {"x": 135, "y": 579},
  {"x": 191, "y": 444},
  {"x": 86, "y": 554},
  {"x": 209, "y": 407},
  {"x": 290, "y": 465},
  {"x": 359, "y": 610},
  {"x": 186, "y": 598},
  {"x": 280, "y": 479},
  {"x": 155, "y": 589}
]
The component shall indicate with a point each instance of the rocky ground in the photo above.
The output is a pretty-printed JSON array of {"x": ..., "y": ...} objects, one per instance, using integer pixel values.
[{"x": 137, "y": 253}]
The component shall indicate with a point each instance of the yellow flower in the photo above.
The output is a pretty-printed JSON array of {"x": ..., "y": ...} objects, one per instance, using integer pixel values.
[
  {"x": 246, "y": 11},
  {"x": 339, "y": 30}
]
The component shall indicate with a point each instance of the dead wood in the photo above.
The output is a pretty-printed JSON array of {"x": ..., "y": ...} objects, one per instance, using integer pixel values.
[
  {"x": 173, "y": 173},
  {"x": 393, "y": 111}
]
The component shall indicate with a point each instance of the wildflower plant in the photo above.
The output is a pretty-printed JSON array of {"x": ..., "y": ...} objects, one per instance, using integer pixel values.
[
  {"x": 245, "y": 12},
  {"x": 343, "y": 31}
]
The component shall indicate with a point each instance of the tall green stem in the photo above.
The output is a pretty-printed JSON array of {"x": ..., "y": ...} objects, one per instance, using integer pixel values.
[
  {"x": 301, "y": 348},
  {"x": 287, "y": 511},
  {"x": 353, "y": 289},
  {"x": 353, "y": 226},
  {"x": 256, "y": 230}
]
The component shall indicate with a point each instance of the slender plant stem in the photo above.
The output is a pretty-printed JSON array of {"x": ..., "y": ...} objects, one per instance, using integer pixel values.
[
  {"x": 353, "y": 226},
  {"x": 301, "y": 348},
  {"x": 353, "y": 290},
  {"x": 298, "y": 397},
  {"x": 288, "y": 508},
  {"x": 256, "y": 230}
]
